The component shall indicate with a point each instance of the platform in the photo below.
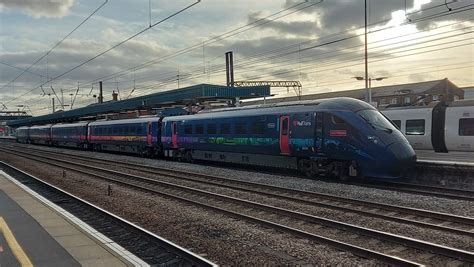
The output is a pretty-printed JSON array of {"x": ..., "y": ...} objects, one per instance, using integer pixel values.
[
  {"x": 33, "y": 233},
  {"x": 450, "y": 158}
]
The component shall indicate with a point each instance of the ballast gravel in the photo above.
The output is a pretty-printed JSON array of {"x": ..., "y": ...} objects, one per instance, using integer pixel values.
[
  {"x": 451, "y": 206},
  {"x": 227, "y": 239},
  {"x": 221, "y": 239}
]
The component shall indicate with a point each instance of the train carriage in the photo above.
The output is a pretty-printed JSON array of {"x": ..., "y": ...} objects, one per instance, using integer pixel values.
[
  {"x": 139, "y": 136},
  {"x": 439, "y": 126},
  {"x": 70, "y": 135},
  {"x": 459, "y": 130},
  {"x": 22, "y": 134},
  {"x": 340, "y": 137},
  {"x": 40, "y": 134}
]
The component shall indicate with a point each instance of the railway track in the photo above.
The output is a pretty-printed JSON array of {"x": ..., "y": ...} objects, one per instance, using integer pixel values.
[
  {"x": 147, "y": 246},
  {"x": 297, "y": 223},
  {"x": 419, "y": 189},
  {"x": 422, "y": 218},
  {"x": 428, "y": 190},
  {"x": 428, "y": 219}
]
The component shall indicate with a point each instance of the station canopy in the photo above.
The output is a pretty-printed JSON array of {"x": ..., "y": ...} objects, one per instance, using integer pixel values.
[{"x": 183, "y": 96}]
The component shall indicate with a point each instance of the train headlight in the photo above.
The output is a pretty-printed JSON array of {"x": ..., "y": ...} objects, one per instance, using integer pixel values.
[{"x": 373, "y": 138}]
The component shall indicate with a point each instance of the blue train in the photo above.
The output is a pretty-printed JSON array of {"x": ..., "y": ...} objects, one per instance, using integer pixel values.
[{"x": 338, "y": 137}]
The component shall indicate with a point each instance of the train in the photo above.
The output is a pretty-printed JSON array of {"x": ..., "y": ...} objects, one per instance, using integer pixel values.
[
  {"x": 439, "y": 126},
  {"x": 336, "y": 137}
]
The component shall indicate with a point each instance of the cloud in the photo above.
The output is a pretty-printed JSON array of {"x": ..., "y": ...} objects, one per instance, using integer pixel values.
[
  {"x": 419, "y": 77},
  {"x": 298, "y": 28},
  {"x": 74, "y": 51},
  {"x": 39, "y": 8}
]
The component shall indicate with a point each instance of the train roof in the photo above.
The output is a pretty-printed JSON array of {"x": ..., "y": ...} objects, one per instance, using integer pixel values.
[
  {"x": 112, "y": 122},
  {"x": 340, "y": 103},
  {"x": 66, "y": 125},
  {"x": 41, "y": 126},
  {"x": 462, "y": 103},
  {"x": 431, "y": 105}
]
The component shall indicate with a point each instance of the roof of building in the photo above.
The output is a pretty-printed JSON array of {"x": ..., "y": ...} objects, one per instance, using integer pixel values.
[
  {"x": 184, "y": 95},
  {"x": 12, "y": 117},
  {"x": 381, "y": 91}
]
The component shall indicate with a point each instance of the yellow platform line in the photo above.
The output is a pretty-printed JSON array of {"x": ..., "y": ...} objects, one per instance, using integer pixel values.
[{"x": 13, "y": 244}]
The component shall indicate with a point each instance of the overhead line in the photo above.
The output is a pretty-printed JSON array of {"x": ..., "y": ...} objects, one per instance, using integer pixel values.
[
  {"x": 422, "y": 19},
  {"x": 199, "y": 45},
  {"x": 56, "y": 45},
  {"x": 113, "y": 47},
  {"x": 143, "y": 65}
]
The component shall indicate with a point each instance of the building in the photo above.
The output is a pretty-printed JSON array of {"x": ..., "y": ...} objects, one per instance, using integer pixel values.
[
  {"x": 468, "y": 92},
  {"x": 7, "y": 116},
  {"x": 421, "y": 93}
]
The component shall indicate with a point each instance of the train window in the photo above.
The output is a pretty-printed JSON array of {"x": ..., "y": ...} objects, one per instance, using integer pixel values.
[
  {"x": 394, "y": 101},
  {"x": 188, "y": 129},
  {"x": 415, "y": 127},
  {"x": 337, "y": 120},
  {"x": 199, "y": 129},
  {"x": 241, "y": 128},
  {"x": 466, "y": 127},
  {"x": 398, "y": 123},
  {"x": 258, "y": 128},
  {"x": 115, "y": 130},
  {"x": 132, "y": 130},
  {"x": 110, "y": 130},
  {"x": 211, "y": 128},
  {"x": 225, "y": 128},
  {"x": 284, "y": 127}
]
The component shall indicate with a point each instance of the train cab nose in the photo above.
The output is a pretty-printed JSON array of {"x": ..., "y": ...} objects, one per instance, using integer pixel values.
[{"x": 404, "y": 159}]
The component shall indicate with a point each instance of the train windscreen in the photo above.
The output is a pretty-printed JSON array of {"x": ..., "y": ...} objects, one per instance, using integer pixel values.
[{"x": 375, "y": 119}]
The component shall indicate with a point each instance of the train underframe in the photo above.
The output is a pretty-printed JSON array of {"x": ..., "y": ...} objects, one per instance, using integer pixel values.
[
  {"x": 323, "y": 167},
  {"x": 311, "y": 167},
  {"x": 142, "y": 150}
]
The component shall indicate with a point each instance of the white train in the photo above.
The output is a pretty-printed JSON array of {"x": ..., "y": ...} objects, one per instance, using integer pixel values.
[{"x": 439, "y": 126}]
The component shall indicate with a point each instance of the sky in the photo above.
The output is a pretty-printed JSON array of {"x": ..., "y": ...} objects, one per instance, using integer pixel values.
[{"x": 61, "y": 49}]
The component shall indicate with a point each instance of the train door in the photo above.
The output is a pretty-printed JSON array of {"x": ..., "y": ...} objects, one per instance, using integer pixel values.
[
  {"x": 284, "y": 135},
  {"x": 174, "y": 138},
  {"x": 319, "y": 131},
  {"x": 149, "y": 134}
]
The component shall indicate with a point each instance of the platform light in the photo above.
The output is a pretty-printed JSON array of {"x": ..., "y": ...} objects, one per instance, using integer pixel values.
[{"x": 369, "y": 92}]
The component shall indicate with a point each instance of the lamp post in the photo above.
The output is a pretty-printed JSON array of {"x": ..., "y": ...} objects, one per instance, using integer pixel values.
[
  {"x": 368, "y": 81},
  {"x": 368, "y": 96}
]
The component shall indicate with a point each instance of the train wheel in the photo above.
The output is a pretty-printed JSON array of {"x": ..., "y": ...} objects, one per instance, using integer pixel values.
[
  {"x": 343, "y": 172},
  {"x": 305, "y": 167},
  {"x": 141, "y": 151},
  {"x": 338, "y": 170},
  {"x": 189, "y": 156}
]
